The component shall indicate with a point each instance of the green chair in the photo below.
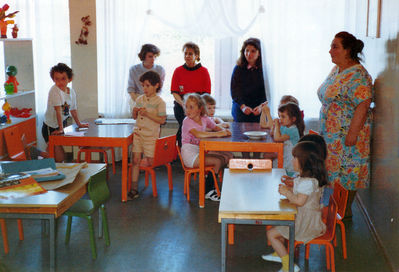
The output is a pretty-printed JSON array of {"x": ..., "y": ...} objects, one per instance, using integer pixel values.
[{"x": 99, "y": 194}]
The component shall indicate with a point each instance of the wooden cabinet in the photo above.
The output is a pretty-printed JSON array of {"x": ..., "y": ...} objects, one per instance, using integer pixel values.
[{"x": 18, "y": 52}]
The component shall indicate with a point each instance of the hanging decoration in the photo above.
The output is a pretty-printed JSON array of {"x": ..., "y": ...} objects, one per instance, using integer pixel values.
[{"x": 84, "y": 32}]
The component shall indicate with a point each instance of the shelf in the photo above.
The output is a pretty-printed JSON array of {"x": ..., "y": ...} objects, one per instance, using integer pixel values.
[
  {"x": 16, "y": 120},
  {"x": 19, "y": 93}
]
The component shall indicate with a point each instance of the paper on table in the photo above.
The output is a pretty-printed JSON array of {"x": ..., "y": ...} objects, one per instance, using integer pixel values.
[
  {"x": 75, "y": 133},
  {"x": 70, "y": 170}
]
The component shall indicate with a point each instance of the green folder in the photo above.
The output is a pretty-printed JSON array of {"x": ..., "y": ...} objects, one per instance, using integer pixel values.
[{"x": 31, "y": 165}]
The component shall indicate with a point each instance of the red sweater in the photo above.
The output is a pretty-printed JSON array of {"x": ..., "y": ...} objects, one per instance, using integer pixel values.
[{"x": 191, "y": 80}]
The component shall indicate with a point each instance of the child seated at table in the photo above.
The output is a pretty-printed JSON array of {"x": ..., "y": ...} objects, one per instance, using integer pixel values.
[
  {"x": 266, "y": 120},
  {"x": 305, "y": 194},
  {"x": 195, "y": 126},
  {"x": 149, "y": 113},
  {"x": 210, "y": 103},
  {"x": 288, "y": 128},
  {"x": 61, "y": 104}
]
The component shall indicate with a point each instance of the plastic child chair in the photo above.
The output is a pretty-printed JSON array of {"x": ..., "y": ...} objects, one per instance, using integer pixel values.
[
  {"x": 84, "y": 208},
  {"x": 328, "y": 237},
  {"x": 15, "y": 147},
  {"x": 190, "y": 171},
  {"x": 4, "y": 233},
  {"x": 341, "y": 197},
  {"x": 164, "y": 154},
  {"x": 99, "y": 149},
  {"x": 311, "y": 131}
]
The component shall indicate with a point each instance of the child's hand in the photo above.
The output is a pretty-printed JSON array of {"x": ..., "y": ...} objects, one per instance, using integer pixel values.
[
  {"x": 135, "y": 111},
  {"x": 289, "y": 181},
  {"x": 143, "y": 112},
  {"x": 225, "y": 133},
  {"x": 283, "y": 190},
  {"x": 225, "y": 125},
  {"x": 57, "y": 132},
  {"x": 276, "y": 122},
  {"x": 83, "y": 125}
]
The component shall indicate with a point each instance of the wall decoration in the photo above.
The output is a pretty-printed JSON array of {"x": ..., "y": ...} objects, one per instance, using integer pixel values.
[
  {"x": 3, "y": 21},
  {"x": 373, "y": 18},
  {"x": 84, "y": 32}
]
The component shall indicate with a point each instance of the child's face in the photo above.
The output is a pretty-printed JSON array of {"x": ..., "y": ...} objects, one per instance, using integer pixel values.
[
  {"x": 211, "y": 109},
  {"x": 149, "y": 90},
  {"x": 285, "y": 120},
  {"x": 295, "y": 164},
  {"x": 61, "y": 80},
  {"x": 192, "y": 109}
]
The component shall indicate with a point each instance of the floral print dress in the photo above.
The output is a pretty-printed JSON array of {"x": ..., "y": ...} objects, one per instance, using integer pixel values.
[{"x": 340, "y": 94}]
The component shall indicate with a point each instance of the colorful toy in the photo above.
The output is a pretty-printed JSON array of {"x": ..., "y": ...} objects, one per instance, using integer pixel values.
[
  {"x": 7, "y": 108},
  {"x": 9, "y": 88},
  {"x": 3, "y": 120},
  {"x": 14, "y": 32},
  {"x": 4, "y": 22},
  {"x": 11, "y": 71},
  {"x": 22, "y": 113}
]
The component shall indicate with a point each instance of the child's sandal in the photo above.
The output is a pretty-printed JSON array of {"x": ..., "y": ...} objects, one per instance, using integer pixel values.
[{"x": 132, "y": 194}]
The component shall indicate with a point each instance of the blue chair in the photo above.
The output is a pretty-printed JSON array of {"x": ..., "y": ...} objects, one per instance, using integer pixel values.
[{"x": 84, "y": 208}]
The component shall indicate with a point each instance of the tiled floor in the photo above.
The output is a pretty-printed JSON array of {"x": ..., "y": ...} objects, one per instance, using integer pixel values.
[{"x": 169, "y": 234}]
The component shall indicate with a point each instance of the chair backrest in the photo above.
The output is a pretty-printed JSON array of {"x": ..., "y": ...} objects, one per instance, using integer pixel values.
[
  {"x": 311, "y": 131},
  {"x": 341, "y": 198},
  {"x": 165, "y": 150},
  {"x": 15, "y": 147},
  {"x": 98, "y": 188},
  {"x": 331, "y": 219},
  {"x": 180, "y": 157}
]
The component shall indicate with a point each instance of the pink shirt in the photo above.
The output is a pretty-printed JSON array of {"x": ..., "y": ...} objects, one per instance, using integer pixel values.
[{"x": 189, "y": 124}]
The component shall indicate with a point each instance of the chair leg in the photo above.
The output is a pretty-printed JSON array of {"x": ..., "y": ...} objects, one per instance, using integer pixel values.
[
  {"x": 170, "y": 180},
  {"x": 4, "y": 234},
  {"x": 343, "y": 238},
  {"x": 92, "y": 237},
  {"x": 230, "y": 233},
  {"x": 113, "y": 160},
  {"x": 129, "y": 178},
  {"x": 216, "y": 183},
  {"x": 78, "y": 156},
  {"x": 154, "y": 183},
  {"x": 68, "y": 230},
  {"x": 332, "y": 257},
  {"x": 105, "y": 224},
  {"x": 105, "y": 161},
  {"x": 187, "y": 181},
  {"x": 20, "y": 230}
]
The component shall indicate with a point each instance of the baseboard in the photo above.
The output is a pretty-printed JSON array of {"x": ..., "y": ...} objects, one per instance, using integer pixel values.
[{"x": 373, "y": 231}]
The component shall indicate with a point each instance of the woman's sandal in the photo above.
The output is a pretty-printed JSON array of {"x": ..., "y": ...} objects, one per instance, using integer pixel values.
[{"x": 132, "y": 194}]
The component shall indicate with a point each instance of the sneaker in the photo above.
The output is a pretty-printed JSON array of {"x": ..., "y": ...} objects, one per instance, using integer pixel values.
[
  {"x": 212, "y": 195},
  {"x": 296, "y": 269},
  {"x": 273, "y": 257},
  {"x": 132, "y": 194}
]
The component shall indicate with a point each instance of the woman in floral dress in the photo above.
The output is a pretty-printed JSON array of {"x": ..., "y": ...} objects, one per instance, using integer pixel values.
[{"x": 345, "y": 116}]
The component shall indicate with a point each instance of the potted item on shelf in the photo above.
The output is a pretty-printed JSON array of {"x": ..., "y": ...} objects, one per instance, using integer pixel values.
[{"x": 12, "y": 71}]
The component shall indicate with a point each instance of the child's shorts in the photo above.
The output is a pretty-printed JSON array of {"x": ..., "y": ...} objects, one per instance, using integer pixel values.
[
  {"x": 142, "y": 144},
  {"x": 46, "y": 130},
  {"x": 189, "y": 153}
]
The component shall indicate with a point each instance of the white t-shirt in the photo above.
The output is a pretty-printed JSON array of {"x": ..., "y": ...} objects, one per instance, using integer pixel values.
[
  {"x": 56, "y": 97},
  {"x": 136, "y": 71},
  {"x": 305, "y": 186}
]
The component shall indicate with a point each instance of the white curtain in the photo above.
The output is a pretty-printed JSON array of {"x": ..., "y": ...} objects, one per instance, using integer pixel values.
[
  {"x": 47, "y": 23},
  {"x": 296, "y": 39}
]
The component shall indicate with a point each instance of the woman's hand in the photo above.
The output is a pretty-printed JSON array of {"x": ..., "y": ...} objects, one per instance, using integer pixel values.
[
  {"x": 258, "y": 110},
  {"x": 350, "y": 139},
  {"x": 246, "y": 110}
]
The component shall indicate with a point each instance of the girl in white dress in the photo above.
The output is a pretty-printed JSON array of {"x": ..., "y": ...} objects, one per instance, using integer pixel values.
[{"x": 305, "y": 194}]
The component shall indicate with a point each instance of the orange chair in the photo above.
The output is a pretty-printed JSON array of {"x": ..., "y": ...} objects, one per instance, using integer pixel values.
[
  {"x": 190, "y": 171},
  {"x": 341, "y": 197},
  {"x": 90, "y": 149},
  {"x": 164, "y": 154},
  {"x": 328, "y": 237},
  {"x": 311, "y": 131},
  {"x": 16, "y": 152}
]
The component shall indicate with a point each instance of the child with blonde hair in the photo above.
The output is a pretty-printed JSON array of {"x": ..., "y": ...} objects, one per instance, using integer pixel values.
[{"x": 196, "y": 126}]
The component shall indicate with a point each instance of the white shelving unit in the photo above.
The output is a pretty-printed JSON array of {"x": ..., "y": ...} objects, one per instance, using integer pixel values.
[{"x": 19, "y": 53}]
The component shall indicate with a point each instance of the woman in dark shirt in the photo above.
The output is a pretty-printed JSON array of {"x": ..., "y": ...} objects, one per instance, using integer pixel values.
[{"x": 247, "y": 85}]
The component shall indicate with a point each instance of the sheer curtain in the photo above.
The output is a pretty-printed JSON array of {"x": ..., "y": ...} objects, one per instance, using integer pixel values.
[
  {"x": 47, "y": 23},
  {"x": 122, "y": 25},
  {"x": 296, "y": 37}
]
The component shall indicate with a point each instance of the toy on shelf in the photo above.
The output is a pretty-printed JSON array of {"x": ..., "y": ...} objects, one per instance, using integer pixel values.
[
  {"x": 22, "y": 113},
  {"x": 11, "y": 71},
  {"x": 7, "y": 108},
  {"x": 14, "y": 32},
  {"x": 3, "y": 21}
]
